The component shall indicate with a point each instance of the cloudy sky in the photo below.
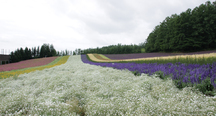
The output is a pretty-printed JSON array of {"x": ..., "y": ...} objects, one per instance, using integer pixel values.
[{"x": 71, "y": 24}]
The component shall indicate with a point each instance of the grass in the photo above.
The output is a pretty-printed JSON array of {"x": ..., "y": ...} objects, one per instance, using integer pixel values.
[
  {"x": 104, "y": 57},
  {"x": 100, "y": 56}
]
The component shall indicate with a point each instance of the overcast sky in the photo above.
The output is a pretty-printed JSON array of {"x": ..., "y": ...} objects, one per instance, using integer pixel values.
[{"x": 71, "y": 24}]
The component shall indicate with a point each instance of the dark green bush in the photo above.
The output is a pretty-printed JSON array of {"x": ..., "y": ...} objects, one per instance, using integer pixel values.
[
  {"x": 206, "y": 87},
  {"x": 136, "y": 73}
]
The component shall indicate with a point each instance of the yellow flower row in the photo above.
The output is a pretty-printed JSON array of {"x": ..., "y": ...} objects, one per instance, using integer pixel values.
[
  {"x": 56, "y": 62},
  {"x": 94, "y": 57}
]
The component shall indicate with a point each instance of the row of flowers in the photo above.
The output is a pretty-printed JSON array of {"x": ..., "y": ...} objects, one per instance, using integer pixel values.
[
  {"x": 27, "y": 63},
  {"x": 184, "y": 73},
  {"x": 12, "y": 73}
]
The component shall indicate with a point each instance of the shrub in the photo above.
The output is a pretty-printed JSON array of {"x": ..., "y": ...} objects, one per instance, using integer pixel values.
[{"x": 206, "y": 87}]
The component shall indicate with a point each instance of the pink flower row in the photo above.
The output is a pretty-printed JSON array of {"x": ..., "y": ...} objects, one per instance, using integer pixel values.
[{"x": 26, "y": 64}]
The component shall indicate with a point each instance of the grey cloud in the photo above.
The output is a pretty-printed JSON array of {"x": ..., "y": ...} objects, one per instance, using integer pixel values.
[
  {"x": 155, "y": 11},
  {"x": 60, "y": 7},
  {"x": 118, "y": 10},
  {"x": 119, "y": 18},
  {"x": 111, "y": 27}
]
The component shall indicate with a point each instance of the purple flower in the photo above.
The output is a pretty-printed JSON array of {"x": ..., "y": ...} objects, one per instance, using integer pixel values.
[{"x": 191, "y": 73}]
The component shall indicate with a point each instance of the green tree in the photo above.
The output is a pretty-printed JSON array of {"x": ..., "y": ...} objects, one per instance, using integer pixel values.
[
  {"x": 38, "y": 52},
  {"x": 26, "y": 54},
  {"x": 43, "y": 51},
  {"x": 52, "y": 50},
  {"x": 192, "y": 30}
]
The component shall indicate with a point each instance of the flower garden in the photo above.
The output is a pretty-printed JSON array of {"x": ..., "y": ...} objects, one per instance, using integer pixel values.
[
  {"x": 76, "y": 88},
  {"x": 26, "y": 64},
  {"x": 199, "y": 74},
  {"x": 39, "y": 64}
]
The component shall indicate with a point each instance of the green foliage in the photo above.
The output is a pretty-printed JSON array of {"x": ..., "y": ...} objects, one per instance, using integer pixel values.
[
  {"x": 116, "y": 49},
  {"x": 136, "y": 73},
  {"x": 143, "y": 50},
  {"x": 46, "y": 50},
  {"x": 206, "y": 87},
  {"x": 179, "y": 84},
  {"x": 161, "y": 75},
  {"x": 192, "y": 30}
]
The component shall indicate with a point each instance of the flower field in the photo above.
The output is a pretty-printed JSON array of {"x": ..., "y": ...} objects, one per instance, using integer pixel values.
[
  {"x": 152, "y": 55},
  {"x": 76, "y": 88},
  {"x": 201, "y": 76},
  {"x": 100, "y": 56},
  {"x": 26, "y": 64},
  {"x": 193, "y": 58},
  {"x": 56, "y": 62}
]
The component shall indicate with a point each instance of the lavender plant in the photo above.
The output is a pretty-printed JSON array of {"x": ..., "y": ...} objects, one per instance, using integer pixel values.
[{"x": 201, "y": 76}]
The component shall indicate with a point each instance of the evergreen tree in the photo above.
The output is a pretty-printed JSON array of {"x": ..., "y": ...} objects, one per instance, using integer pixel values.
[
  {"x": 43, "y": 51},
  {"x": 29, "y": 54},
  {"x": 26, "y": 54},
  {"x": 192, "y": 30},
  {"x": 52, "y": 50},
  {"x": 38, "y": 52},
  {"x": 22, "y": 54}
]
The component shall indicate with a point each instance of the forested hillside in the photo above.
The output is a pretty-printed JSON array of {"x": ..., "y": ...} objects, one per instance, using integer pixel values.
[
  {"x": 192, "y": 30},
  {"x": 117, "y": 49}
]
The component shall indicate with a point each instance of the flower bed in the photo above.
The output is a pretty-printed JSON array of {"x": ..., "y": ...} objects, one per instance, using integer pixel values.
[
  {"x": 56, "y": 62},
  {"x": 150, "y": 55},
  {"x": 188, "y": 59},
  {"x": 183, "y": 74},
  {"x": 26, "y": 64},
  {"x": 101, "y": 57}
]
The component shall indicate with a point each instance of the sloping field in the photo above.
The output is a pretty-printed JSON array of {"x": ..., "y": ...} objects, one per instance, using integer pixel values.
[
  {"x": 100, "y": 56},
  {"x": 15, "y": 73},
  {"x": 96, "y": 58},
  {"x": 152, "y": 55},
  {"x": 186, "y": 71},
  {"x": 26, "y": 64},
  {"x": 184, "y": 74},
  {"x": 75, "y": 88}
]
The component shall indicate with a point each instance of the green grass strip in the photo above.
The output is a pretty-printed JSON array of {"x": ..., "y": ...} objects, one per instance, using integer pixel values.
[{"x": 103, "y": 56}]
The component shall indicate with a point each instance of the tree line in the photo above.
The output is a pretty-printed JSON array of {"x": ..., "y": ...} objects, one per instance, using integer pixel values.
[
  {"x": 45, "y": 50},
  {"x": 192, "y": 30},
  {"x": 116, "y": 49}
]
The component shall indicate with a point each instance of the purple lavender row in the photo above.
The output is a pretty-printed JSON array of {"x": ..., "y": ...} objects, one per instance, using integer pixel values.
[{"x": 193, "y": 73}]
